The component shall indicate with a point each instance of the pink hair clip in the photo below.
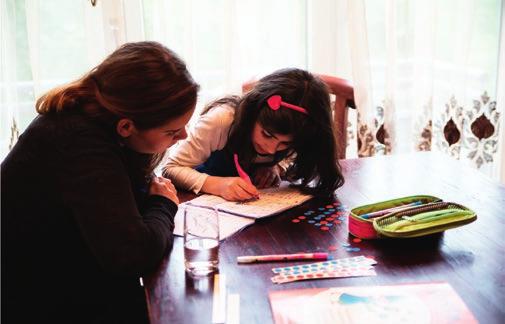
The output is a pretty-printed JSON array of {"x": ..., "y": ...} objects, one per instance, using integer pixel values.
[{"x": 275, "y": 102}]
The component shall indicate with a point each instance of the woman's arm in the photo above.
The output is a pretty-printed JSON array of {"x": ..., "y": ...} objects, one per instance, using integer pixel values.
[{"x": 96, "y": 189}]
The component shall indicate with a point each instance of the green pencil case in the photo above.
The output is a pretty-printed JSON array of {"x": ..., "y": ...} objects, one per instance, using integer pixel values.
[{"x": 407, "y": 217}]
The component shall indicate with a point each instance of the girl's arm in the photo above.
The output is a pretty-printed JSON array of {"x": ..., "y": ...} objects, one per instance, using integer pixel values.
[
  {"x": 209, "y": 134},
  {"x": 230, "y": 188}
]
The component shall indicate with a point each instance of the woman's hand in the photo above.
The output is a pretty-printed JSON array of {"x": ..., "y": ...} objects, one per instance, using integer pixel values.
[
  {"x": 266, "y": 177},
  {"x": 230, "y": 188},
  {"x": 163, "y": 187}
]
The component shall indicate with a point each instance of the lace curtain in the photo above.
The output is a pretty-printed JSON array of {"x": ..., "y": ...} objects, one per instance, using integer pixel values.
[{"x": 425, "y": 74}]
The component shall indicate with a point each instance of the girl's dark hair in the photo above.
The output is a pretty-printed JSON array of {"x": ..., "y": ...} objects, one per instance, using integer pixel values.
[
  {"x": 143, "y": 81},
  {"x": 314, "y": 145}
]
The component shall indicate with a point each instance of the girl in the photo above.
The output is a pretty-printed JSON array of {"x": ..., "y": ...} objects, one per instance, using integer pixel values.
[
  {"x": 282, "y": 128},
  {"x": 82, "y": 216}
]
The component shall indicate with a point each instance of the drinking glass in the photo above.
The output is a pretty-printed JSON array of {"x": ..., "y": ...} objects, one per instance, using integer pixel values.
[{"x": 201, "y": 240}]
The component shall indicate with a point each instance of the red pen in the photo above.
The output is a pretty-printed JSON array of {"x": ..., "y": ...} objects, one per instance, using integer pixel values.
[
  {"x": 282, "y": 257},
  {"x": 241, "y": 171}
]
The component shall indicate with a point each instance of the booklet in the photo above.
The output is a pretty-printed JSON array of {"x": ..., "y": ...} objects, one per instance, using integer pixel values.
[
  {"x": 234, "y": 216},
  {"x": 404, "y": 303}
]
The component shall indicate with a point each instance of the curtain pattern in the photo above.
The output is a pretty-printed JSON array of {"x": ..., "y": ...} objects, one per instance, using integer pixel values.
[
  {"x": 481, "y": 130},
  {"x": 429, "y": 73},
  {"x": 470, "y": 133}
]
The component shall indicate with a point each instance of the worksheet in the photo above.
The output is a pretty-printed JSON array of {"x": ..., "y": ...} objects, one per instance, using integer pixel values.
[
  {"x": 271, "y": 201},
  {"x": 234, "y": 216}
]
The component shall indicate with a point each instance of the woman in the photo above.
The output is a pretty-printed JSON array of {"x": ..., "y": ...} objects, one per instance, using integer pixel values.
[{"x": 83, "y": 217}]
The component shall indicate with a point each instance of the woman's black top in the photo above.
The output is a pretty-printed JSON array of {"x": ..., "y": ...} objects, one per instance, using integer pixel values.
[{"x": 78, "y": 228}]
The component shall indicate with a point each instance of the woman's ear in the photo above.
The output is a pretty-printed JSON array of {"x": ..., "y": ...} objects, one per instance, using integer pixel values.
[{"x": 125, "y": 127}]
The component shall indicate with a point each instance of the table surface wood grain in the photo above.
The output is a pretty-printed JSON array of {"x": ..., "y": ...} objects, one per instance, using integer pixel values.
[{"x": 470, "y": 258}]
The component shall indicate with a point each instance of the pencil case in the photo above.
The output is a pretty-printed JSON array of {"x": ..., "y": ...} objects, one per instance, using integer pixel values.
[{"x": 407, "y": 217}]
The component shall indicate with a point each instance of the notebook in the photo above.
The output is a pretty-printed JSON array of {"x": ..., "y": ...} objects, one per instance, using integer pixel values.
[{"x": 235, "y": 216}]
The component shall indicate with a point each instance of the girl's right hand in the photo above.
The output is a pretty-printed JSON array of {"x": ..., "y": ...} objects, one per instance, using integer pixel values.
[
  {"x": 163, "y": 187},
  {"x": 230, "y": 188}
]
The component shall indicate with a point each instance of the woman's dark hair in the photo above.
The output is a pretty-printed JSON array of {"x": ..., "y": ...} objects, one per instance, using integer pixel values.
[
  {"x": 314, "y": 146},
  {"x": 143, "y": 81}
]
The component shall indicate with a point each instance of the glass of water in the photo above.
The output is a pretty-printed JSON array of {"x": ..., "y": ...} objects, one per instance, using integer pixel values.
[{"x": 201, "y": 240}]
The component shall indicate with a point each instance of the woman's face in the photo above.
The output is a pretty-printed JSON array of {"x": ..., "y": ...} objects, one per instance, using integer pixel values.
[
  {"x": 266, "y": 143},
  {"x": 157, "y": 140}
]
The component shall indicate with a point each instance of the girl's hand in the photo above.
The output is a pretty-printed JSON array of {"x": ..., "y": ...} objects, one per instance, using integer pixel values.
[
  {"x": 230, "y": 188},
  {"x": 266, "y": 177},
  {"x": 163, "y": 187}
]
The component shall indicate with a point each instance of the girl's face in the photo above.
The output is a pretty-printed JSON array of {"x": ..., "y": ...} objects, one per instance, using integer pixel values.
[
  {"x": 157, "y": 140},
  {"x": 266, "y": 143}
]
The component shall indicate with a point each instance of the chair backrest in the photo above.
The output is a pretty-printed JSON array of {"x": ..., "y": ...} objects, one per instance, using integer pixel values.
[{"x": 344, "y": 98}]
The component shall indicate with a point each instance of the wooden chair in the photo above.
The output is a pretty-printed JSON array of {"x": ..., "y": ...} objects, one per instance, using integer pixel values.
[{"x": 344, "y": 98}]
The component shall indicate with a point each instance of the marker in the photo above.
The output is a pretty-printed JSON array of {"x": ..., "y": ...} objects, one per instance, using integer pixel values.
[
  {"x": 389, "y": 210},
  {"x": 241, "y": 172},
  {"x": 282, "y": 257}
]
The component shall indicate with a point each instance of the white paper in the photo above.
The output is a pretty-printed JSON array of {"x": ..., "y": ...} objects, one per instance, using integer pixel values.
[
  {"x": 228, "y": 224},
  {"x": 272, "y": 201},
  {"x": 234, "y": 216}
]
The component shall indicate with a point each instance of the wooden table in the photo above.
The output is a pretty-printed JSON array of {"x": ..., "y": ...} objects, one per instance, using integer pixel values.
[{"x": 470, "y": 258}]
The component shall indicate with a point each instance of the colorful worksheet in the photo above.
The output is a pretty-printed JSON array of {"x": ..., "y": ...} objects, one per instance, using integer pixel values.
[{"x": 407, "y": 303}]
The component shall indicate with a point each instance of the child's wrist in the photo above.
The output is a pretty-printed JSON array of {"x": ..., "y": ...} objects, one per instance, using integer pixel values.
[{"x": 211, "y": 185}]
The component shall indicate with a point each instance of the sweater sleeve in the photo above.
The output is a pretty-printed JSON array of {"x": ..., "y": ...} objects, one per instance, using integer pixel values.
[
  {"x": 97, "y": 191},
  {"x": 209, "y": 134}
]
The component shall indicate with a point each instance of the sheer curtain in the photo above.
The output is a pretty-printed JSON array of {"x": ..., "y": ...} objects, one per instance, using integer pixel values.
[
  {"x": 425, "y": 75},
  {"x": 424, "y": 71},
  {"x": 49, "y": 43},
  {"x": 224, "y": 42},
  {"x": 500, "y": 167},
  {"x": 227, "y": 42}
]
